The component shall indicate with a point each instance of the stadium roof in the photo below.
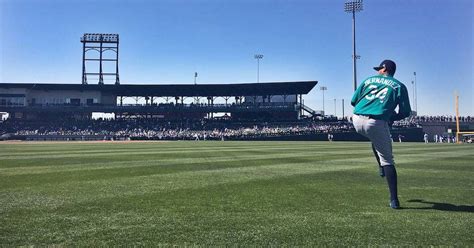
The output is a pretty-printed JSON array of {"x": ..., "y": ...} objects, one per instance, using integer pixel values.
[{"x": 246, "y": 89}]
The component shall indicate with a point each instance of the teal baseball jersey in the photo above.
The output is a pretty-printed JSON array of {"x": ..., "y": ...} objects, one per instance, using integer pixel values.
[{"x": 379, "y": 96}]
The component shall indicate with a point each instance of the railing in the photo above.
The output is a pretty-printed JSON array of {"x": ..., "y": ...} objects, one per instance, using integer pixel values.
[
  {"x": 158, "y": 107},
  {"x": 310, "y": 110}
]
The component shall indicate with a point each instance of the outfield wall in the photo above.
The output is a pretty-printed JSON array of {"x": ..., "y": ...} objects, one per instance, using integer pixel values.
[{"x": 441, "y": 128}]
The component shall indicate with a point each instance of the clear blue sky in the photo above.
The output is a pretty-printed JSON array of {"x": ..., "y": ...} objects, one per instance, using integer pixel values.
[{"x": 166, "y": 41}]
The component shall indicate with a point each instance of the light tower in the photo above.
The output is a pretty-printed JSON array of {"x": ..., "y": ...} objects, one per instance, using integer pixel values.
[
  {"x": 100, "y": 43},
  {"x": 353, "y": 7},
  {"x": 415, "y": 99},
  {"x": 323, "y": 88},
  {"x": 258, "y": 57},
  {"x": 196, "y": 98}
]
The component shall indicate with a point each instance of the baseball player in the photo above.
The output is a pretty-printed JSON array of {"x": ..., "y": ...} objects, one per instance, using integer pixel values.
[{"x": 375, "y": 101}]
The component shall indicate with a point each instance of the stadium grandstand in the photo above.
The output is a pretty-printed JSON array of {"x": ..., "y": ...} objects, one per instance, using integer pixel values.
[
  {"x": 255, "y": 111},
  {"x": 65, "y": 111},
  {"x": 254, "y": 101}
]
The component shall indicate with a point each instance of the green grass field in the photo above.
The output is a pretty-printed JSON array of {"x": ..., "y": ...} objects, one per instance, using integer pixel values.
[{"x": 233, "y": 193}]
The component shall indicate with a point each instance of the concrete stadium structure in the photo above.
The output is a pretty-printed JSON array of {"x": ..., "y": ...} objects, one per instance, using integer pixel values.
[{"x": 267, "y": 101}]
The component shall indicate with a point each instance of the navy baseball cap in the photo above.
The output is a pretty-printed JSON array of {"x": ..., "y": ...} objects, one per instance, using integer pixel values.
[{"x": 389, "y": 65}]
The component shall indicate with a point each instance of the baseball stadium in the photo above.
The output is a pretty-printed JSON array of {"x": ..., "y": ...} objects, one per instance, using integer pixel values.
[{"x": 108, "y": 163}]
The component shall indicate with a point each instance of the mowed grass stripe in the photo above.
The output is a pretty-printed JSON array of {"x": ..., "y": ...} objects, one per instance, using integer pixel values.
[
  {"x": 135, "y": 156},
  {"x": 195, "y": 159},
  {"x": 83, "y": 155},
  {"x": 79, "y": 191},
  {"x": 145, "y": 151},
  {"x": 81, "y": 148},
  {"x": 160, "y": 161},
  {"x": 175, "y": 166},
  {"x": 87, "y": 151},
  {"x": 112, "y": 170},
  {"x": 72, "y": 147},
  {"x": 158, "y": 154}
]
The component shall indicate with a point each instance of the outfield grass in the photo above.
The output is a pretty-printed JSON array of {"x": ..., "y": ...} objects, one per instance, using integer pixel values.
[{"x": 233, "y": 193}]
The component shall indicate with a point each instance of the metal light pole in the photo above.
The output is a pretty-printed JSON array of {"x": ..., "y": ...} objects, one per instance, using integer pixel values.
[
  {"x": 258, "y": 57},
  {"x": 196, "y": 99},
  {"x": 353, "y": 7},
  {"x": 323, "y": 88},
  {"x": 342, "y": 108},
  {"x": 416, "y": 96},
  {"x": 413, "y": 89},
  {"x": 335, "y": 113}
]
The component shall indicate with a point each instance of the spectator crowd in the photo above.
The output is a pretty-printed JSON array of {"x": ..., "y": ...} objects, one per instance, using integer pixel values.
[
  {"x": 161, "y": 130},
  {"x": 143, "y": 128}
]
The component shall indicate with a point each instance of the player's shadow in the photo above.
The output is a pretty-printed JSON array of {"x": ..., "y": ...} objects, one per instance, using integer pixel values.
[{"x": 443, "y": 206}]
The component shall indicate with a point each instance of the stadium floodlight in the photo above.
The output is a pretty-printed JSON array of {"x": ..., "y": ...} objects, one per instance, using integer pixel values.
[
  {"x": 258, "y": 57},
  {"x": 106, "y": 38},
  {"x": 353, "y": 7}
]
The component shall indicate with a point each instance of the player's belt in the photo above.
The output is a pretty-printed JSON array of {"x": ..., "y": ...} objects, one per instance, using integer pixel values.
[{"x": 375, "y": 117}]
